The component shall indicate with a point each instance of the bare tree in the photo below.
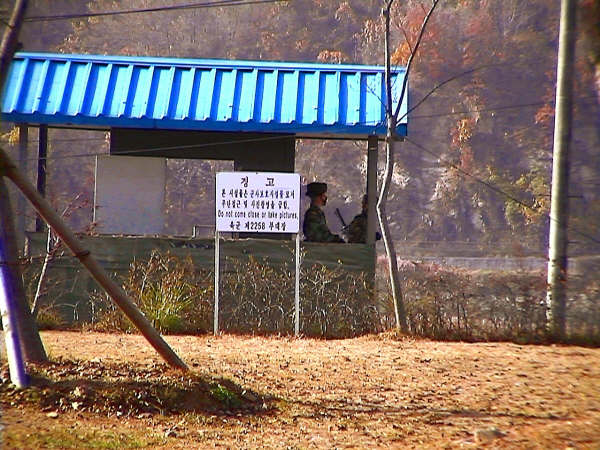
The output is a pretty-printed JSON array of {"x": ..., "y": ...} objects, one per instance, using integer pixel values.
[
  {"x": 390, "y": 144},
  {"x": 31, "y": 343}
]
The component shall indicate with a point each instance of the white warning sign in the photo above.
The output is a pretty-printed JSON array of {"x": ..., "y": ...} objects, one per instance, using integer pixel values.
[{"x": 258, "y": 202}]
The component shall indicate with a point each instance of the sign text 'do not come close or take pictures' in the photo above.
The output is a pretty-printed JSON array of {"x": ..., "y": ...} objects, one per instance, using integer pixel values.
[{"x": 258, "y": 202}]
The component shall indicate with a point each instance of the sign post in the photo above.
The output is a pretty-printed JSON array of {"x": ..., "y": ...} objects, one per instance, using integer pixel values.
[
  {"x": 216, "y": 307},
  {"x": 257, "y": 202}
]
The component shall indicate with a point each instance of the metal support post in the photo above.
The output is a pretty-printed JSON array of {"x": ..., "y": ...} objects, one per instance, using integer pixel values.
[
  {"x": 21, "y": 219},
  {"x": 297, "y": 289},
  {"x": 41, "y": 170},
  {"x": 217, "y": 268},
  {"x": 372, "y": 155}
]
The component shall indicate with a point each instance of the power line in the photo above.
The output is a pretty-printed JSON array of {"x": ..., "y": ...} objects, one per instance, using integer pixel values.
[
  {"x": 494, "y": 188},
  {"x": 127, "y": 152},
  {"x": 63, "y": 140},
  {"x": 243, "y": 141},
  {"x": 201, "y": 5},
  {"x": 498, "y": 108},
  {"x": 491, "y": 109}
]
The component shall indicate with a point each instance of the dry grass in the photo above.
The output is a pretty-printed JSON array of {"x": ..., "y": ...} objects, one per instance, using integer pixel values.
[{"x": 371, "y": 392}]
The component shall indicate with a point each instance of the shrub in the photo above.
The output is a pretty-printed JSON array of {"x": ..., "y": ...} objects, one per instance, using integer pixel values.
[
  {"x": 450, "y": 303},
  {"x": 172, "y": 294},
  {"x": 257, "y": 297}
]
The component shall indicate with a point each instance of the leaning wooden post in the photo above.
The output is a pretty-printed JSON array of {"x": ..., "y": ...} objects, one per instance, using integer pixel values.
[{"x": 114, "y": 291}]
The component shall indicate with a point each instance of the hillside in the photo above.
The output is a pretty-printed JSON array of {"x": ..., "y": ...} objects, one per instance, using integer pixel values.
[{"x": 480, "y": 143}]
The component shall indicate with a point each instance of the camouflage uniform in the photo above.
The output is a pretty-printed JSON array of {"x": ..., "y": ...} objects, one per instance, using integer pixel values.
[
  {"x": 315, "y": 226},
  {"x": 357, "y": 230}
]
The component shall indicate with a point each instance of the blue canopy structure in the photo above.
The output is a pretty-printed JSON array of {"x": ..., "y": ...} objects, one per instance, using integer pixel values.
[{"x": 302, "y": 99}]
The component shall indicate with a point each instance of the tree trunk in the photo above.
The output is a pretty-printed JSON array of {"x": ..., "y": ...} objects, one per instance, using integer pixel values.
[
  {"x": 390, "y": 250},
  {"x": 597, "y": 72},
  {"x": 31, "y": 343},
  {"x": 118, "y": 295}
]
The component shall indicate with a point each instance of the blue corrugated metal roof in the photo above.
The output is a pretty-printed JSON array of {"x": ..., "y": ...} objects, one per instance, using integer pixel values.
[{"x": 197, "y": 94}]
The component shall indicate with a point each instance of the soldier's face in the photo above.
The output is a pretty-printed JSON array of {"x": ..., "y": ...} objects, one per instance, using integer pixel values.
[{"x": 324, "y": 198}]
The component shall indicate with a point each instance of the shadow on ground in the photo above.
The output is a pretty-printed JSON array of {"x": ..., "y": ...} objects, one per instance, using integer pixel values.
[{"x": 130, "y": 391}]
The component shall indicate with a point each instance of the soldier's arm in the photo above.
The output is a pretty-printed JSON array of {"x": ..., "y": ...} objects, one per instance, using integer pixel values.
[
  {"x": 317, "y": 230},
  {"x": 357, "y": 230}
]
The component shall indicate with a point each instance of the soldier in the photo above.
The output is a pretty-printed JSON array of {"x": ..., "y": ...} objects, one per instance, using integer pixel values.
[
  {"x": 315, "y": 226},
  {"x": 357, "y": 230}
]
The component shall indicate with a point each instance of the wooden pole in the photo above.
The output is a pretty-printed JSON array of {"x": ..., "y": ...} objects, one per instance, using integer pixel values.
[{"x": 114, "y": 291}]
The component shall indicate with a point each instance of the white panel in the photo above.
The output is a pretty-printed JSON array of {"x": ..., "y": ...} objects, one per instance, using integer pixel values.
[{"x": 129, "y": 195}]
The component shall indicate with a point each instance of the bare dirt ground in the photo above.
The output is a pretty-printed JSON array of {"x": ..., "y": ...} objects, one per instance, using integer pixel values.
[{"x": 369, "y": 392}]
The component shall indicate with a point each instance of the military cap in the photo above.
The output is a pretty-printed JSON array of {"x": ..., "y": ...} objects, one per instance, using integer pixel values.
[{"x": 314, "y": 189}]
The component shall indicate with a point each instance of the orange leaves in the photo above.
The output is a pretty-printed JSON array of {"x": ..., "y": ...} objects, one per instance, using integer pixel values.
[
  {"x": 536, "y": 185},
  {"x": 401, "y": 55},
  {"x": 463, "y": 131},
  {"x": 460, "y": 138},
  {"x": 270, "y": 43},
  {"x": 544, "y": 115}
]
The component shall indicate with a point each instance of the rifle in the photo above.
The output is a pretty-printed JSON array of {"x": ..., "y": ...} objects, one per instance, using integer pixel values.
[
  {"x": 345, "y": 227},
  {"x": 339, "y": 216}
]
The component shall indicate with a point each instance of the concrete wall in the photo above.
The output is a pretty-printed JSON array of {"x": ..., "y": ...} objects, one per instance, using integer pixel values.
[{"x": 129, "y": 195}]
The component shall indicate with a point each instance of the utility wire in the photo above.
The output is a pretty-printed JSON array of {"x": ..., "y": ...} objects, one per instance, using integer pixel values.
[
  {"x": 498, "y": 108},
  {"x": 490, "y": 186},
  {"x": 200, "y": 5},
  {"x": 127, "y": 152},
  {"x": 494, "y": 188},
  {"x": 5, "y": 141},
  {"x": 243, "y": 141}
]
